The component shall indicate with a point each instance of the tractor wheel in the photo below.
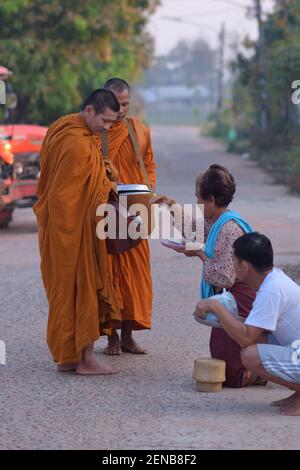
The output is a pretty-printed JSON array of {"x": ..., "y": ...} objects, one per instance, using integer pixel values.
[{"x": 5, "y": 217}]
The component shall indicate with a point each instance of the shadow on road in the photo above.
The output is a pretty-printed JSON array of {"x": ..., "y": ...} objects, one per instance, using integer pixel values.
[{"x": 20, "y": 228}]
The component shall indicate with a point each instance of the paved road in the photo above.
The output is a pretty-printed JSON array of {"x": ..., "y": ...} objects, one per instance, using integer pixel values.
[{"x": 152, "y": 403}]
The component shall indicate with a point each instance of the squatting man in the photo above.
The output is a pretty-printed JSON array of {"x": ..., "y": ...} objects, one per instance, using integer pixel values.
[{"x": 270, "y": 336}]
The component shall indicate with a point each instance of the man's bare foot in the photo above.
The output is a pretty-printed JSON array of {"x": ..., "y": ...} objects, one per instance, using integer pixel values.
[
  {"x": 284, "y": 401},
  {"x": 96, "y": 368},
  {"x": 293, "y": 408},
  {"x": 113, "y": 347},
  {"x": 253, "y": 379},
  {"x": 89, "y": 365},
  {"x": 67, "y": 367},
  {"x": 129, "y": 345}
]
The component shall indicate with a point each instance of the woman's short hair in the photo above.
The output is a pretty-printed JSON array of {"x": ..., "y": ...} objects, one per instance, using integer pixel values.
[{"x": 217, "y": 182}]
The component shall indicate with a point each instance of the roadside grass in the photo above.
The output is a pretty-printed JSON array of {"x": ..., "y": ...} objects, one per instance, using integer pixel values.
[{"x": 280, "y": 159}]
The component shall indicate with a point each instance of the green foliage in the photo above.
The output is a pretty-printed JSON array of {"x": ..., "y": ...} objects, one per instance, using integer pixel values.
[
  {"x": 61, "y": 50},
  {"x": 283, "y": 163},
  {"x": 281, "y": 68},
  {"x": 275, "y": 145}
]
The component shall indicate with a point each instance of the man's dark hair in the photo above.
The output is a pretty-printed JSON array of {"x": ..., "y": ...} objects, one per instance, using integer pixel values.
[
  {"x": 117, "y": 84},
  {"x": 101, "y": 99},
  {"x": 256, "y": 249},
  {"x": 217, "y": 182}
]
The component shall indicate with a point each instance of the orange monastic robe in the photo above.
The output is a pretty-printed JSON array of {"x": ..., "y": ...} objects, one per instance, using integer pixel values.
[
  {"x": 132, "y": 268},
  {"x": 76, "y": 269}
]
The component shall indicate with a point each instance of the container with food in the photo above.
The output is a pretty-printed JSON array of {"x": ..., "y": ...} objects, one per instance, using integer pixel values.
[{"x": 132, "y": 194}]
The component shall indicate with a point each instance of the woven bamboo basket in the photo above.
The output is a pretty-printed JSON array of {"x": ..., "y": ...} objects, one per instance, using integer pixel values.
[{"x": 209, "y": 374}]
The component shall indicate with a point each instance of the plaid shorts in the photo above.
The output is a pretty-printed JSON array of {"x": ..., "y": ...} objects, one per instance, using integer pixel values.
[{"x": 281, "y": 361}]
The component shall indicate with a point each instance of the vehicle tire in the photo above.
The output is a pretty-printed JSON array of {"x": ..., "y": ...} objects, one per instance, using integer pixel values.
[{"x": 5, "y": 217}]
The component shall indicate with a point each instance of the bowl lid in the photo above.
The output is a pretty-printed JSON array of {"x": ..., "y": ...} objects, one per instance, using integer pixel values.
[{"x": 125, "y": 188}]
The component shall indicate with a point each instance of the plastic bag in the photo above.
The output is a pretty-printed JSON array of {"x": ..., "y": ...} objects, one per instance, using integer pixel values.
[{"x": 228, "y": 301}]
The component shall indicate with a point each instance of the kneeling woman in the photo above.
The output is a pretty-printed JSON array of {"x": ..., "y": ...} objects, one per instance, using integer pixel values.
[{"x": 215, "y": 190}]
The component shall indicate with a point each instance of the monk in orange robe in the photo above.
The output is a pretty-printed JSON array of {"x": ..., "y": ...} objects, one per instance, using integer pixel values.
[
  {"x": 132, "y": 268},
  {"x": 77, "y": 271}
]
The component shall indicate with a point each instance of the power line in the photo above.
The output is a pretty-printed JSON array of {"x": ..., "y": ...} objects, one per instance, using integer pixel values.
[
  {"x": 210, "y": 13},
  {"x": 236, "y": 4},
  {"x": 230, "y": 2},
  {"x": 198, "y": 25}
]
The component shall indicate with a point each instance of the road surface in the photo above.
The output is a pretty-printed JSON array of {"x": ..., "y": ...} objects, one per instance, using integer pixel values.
[{"x": 152, "y": 403}]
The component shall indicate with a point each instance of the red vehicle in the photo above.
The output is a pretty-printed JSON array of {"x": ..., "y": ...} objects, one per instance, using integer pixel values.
[{"x": 20, "y": 145}]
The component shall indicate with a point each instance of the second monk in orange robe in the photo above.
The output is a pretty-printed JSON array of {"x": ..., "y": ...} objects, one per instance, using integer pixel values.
[{"x": 132, "y": 268}]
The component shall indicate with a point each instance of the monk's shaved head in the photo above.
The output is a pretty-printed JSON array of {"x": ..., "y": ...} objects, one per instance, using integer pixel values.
[
  {"x": 100, "y": 110},
  {"x": 121, "y": 89},
  {"x": 101, "y": 99},
  {"x": 117, "y": 84}
]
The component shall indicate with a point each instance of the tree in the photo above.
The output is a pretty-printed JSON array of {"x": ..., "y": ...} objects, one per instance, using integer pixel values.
[
  {"x": 282, "y": 67},
  {"x": 59, "y": 51},
  {"x": 276, "y": 146}
]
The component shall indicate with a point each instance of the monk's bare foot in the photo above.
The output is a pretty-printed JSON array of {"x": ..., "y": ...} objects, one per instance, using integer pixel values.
[
  {"x": 113, "y": 347},
  {"x": 129, "y": 345},
  {"x": 284, "y": 401},
  {"x": 89, "y": 365},
  {"x": 67, "y": 367},
  {"x": 95, "y": 368},
  {"x": 293, "y": 408}
]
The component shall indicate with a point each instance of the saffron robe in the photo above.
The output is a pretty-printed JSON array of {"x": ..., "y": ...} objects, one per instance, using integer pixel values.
[
  {"x": 76, "y": 269},
  {"x": 132, "y": 268}
]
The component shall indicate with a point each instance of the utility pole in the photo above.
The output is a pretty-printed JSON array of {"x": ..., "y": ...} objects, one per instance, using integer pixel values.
[
  {"x": 262, "y": 75},
  {"x": 221, "y": 70}
]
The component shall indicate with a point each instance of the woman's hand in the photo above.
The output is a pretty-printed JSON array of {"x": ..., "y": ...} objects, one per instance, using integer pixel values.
[
  {"x": 188, "y": 253},
  {"x": 193, "y": 253},
  {"x": 161, "y": 200}
]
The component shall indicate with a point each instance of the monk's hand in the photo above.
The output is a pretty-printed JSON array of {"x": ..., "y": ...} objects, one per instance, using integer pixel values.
[
  {"x": 203, "y": 307},
  {"x": 114, "y": 187},
  {"x": 162, "y": 200}
]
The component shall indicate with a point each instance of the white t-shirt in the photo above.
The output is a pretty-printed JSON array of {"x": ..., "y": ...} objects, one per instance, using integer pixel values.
[{"x": 277, "y": 307}]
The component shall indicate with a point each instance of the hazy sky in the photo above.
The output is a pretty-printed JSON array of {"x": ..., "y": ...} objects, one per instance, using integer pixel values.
[{"x": 205, "y": 13}]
